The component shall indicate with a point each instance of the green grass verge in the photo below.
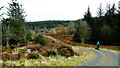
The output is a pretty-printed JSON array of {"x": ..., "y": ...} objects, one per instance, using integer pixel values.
[{"x": 113, "y": 50}]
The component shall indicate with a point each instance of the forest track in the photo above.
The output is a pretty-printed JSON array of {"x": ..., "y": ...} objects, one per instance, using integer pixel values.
[{"x": 103, "y": 57}]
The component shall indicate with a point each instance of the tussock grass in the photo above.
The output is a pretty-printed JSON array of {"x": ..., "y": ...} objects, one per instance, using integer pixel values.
[{"x": 55, "y": 60}]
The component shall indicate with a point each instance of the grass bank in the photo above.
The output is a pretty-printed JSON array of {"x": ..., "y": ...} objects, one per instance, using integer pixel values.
[
  {"x": 113, "y": 50},
  {"x": 55, "y": 60}
]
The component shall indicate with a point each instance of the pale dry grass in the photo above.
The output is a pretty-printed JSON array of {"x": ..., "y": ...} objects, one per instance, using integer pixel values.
[{"x": 55, "y": 60}]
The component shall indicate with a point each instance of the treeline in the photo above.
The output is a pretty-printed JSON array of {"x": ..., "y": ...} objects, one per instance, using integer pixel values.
[
  {"x": 49, "y": 24},
  {"x": 14, "y": 28},
  {"x": 104, "y": 28}
]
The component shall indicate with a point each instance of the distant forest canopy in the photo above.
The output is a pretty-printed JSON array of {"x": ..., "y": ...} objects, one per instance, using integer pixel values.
[
  {"x": 50, "y": 23},
  {"x": 105, "y": 27}
]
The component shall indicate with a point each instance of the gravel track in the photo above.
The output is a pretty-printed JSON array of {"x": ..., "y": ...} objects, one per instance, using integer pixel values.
[{"x": 103, "y": 58}]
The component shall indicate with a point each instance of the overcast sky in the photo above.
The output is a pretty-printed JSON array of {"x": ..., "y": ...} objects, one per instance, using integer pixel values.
[{"x": 39, "y": 10}]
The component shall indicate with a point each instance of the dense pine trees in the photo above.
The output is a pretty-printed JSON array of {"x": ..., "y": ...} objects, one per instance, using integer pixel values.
[
  {"x": 105, "y": 27},
  {"x": 13, "y": 28}
]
